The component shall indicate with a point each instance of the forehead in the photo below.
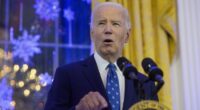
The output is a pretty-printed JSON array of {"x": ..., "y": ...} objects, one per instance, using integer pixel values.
[{"x": 109, "y": 12}]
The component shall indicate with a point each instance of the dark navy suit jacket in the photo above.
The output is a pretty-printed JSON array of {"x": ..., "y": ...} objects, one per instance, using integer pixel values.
[{"x": 73, "y": 81}]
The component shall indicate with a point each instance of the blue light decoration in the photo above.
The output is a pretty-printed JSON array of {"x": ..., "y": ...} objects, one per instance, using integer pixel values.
[
  {"x": 47, "y": 9},
  {"x": 45, "y": 79},
  {"x": 6, "y": 93},
  {"x": 87, "y": 1},
  {"x": 69, "y": 14},
  {"x": 76, "y": 31},
  {"x": 25, "y": 46}
]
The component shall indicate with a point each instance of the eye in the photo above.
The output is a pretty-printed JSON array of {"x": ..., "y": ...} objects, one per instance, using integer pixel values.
[
  {"x": 116, "y": 24},
  {"x": 101, "y": 23}
]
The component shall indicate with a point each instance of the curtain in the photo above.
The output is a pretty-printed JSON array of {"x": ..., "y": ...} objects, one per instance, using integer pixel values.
[{"x": 153, "y": 35}]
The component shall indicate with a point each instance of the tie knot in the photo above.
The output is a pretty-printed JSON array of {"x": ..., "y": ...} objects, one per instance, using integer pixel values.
[{"x": 111, "y": 66}]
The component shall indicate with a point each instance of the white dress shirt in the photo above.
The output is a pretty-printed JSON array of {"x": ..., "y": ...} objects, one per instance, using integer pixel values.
[{"x": 102, "y": 64}]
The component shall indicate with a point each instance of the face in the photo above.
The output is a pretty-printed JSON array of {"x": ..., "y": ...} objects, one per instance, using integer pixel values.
[{"x": 109, "y": 32}]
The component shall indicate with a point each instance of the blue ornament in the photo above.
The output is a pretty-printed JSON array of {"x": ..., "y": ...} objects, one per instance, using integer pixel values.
[
  {"x": 45, "y": 79},
  {"x": 47, "y": 9},
  {"x": 69, "y": 14},
  {"x": 26, "y": 46}
]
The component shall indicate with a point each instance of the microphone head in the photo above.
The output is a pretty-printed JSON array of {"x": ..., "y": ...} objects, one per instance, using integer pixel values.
[
  {"x": 151, "y": 68},
  {"x": 121, "y": 62},
  {"x": 126, "y": 67},
  {"x": 147, "y": 63}
]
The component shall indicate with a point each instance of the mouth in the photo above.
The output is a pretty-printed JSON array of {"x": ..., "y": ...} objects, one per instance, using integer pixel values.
[{"x": 108, "y": 41}]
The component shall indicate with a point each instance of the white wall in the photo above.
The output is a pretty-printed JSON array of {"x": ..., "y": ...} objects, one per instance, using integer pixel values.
[{"x": 186, "y": 68}]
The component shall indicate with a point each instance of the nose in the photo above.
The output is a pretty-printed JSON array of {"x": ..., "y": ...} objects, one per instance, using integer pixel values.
[{"x": 108, "y": 29}]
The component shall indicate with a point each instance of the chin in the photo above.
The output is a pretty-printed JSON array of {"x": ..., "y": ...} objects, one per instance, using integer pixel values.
[{"x": 108, "y": 52}]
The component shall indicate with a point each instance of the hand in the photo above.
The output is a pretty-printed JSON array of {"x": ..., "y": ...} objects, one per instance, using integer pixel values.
[{"x": 92, "y": 101}]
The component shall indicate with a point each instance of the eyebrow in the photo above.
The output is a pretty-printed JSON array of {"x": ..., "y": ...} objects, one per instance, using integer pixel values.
[
  {"x": 104, "y": 20},
  {"x": 116, "y": 21},
  {"x": 101, "y": 20}
]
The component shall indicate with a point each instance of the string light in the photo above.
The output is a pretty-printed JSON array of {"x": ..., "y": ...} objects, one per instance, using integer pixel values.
[
  {"x": 12, "y": 82},
  {"x": 32, "y": 86},
  {"x": 26, "y": 92},
  {"x": 24, "y": 68},
  {"x": 37, "y": 87},
  {"x": 16, "y": 68},
  {"x": 6, "y": 69},
  {"x": 32, "y": 75},
  {"x": 5, "y": 55},
  {"x": 33, "y": 71},
  {"x": 13, "y": 103},
  {"x": 29, "y": 79},
  {"x": 21, "y": 84}
]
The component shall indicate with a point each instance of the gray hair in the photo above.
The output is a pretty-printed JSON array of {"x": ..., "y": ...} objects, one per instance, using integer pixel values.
[{"x": 113, "y": 4}]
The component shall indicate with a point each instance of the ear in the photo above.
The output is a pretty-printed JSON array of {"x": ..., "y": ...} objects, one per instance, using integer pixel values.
[{"x": 127, "y": 35}]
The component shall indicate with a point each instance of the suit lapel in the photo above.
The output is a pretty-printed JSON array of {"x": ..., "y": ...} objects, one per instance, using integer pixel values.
[{"x": 93, "y": 76}]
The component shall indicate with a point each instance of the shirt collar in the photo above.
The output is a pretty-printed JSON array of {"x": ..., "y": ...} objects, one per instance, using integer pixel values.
[{"x": 102, "y": 63}]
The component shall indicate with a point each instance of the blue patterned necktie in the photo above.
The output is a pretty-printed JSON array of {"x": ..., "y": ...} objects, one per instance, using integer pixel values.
[{"x": 112, "y": 87}]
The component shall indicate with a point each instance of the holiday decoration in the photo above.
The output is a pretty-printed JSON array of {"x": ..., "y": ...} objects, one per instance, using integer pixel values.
[
  {"x": 44, "y": 35},
  {"x": 24, "y": 82},
  {"x": 25, "y": 46},
  {"x": 6, "y": 93},
  {"x": 69, "y": 14},
  {"x": 24, "y": 78},
  {"x": 47, "y": 9},
  {"x": 87, "y": 1},
  {"x": 5, "y": 57},
  {"x": 45, "y": 79}
]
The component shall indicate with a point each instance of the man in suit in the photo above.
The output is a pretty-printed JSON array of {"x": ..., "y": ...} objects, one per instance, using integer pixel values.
[{"x": 83, "y": 85}]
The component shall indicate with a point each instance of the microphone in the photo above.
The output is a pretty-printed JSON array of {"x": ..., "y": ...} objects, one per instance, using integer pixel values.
[
  {"x": 155, "y": 74},
  {"x": 153, "y": 71},
  {"x": 128, "y": 70}
]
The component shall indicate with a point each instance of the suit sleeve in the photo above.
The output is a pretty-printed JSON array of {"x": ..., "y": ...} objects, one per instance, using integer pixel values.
[{"x": 60, "y": 92}]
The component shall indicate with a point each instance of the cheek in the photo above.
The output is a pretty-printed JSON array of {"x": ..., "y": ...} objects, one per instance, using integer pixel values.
[
  {"x": 97, "y": 41},
  {"x": 94, "y": 37},
  {"x": 121, "y": 40}
]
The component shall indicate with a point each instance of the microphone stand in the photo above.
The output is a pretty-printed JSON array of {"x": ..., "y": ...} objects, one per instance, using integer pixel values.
[
  {"x": 157, "y": 88},
  {"x": 142, "y": 95},
  {"x": 140, "y": 90}
]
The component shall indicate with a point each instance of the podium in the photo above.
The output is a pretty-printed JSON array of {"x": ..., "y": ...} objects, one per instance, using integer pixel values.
[{"x": 148, "y": 105}]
